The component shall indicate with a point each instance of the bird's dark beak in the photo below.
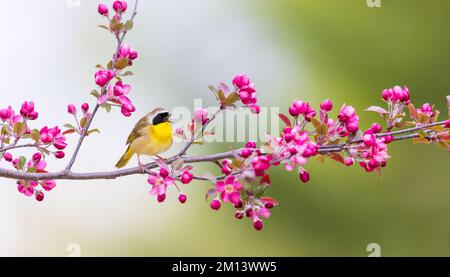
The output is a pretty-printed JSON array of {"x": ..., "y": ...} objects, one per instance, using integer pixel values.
[{"x": 167, "y": 118}]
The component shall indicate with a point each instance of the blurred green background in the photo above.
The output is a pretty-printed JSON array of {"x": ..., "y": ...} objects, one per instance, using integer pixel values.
[{"x": 309, "y": 50}]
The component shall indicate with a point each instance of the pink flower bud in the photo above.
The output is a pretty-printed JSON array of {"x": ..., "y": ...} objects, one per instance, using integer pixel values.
[
  {"x": 85, "y": 107},
  {"x": 163, "y": 172},
  {"x": 182, "y": 198},
  {"x": 387, "y": 94},
  {"x": 293, "y": 111},
  {"x": 376, "y": 128},
  {"x": 348, "y": 161},
  {"x": 255, "y": 109},
  {"x": 268, "y": 205},
  {"x": 215, "y": 204},
  {"x": 226, "y": 170},
  {"x": 388, "y": 139},
  {"x": 250, "y": 144},
  {"x": 447, "y": 124},
  {"x": 71, "y": 109},
  {"x": 8, "y": 157},
  {"x": 103, "y": 9},
  {"x": 397, "y": 93},
  {"x": 39, "y": 195},
  {"x": 161, "y": 198},
  {"x": 120, "y": 6},
  {"x": 133, "y": 54},
  {"x": 60, "y": 145},
  {"x": 258, "y": 225},
  {"x": 48, "y": 185},
  {"x": 201, "y": 116},
  {"x": 238, "y": 215},
  {"x": 241, "y": 81},
  {"x": 326, "y": 105},
  {"x": 304, "y": 176},
  {"x": 246, "y": 152},
  {"x": 37, "y": 157},
  {"x": 369, "y": 140},
  {"x": 127, "y": 109},
  {"x": 186, "y": 177},
  {"x": 59, "y": 154}
]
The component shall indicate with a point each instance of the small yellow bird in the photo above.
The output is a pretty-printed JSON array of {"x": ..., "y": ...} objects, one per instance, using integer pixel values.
[{"x": 151, "y": 136}]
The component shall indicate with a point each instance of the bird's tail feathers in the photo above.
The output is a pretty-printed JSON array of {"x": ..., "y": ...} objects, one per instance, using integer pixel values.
[{"x": 125, "y": 158}]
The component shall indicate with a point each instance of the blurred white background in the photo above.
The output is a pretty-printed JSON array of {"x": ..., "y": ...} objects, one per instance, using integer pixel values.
[{"x": 49, "y": 53}]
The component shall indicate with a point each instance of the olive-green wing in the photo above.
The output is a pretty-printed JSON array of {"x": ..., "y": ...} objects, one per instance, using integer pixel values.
[{"x": 136, "y": 132}]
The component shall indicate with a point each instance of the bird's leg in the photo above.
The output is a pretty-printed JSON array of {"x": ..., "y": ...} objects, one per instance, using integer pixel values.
[
  {"x": 161, "y": 158},
  {"x": 142, "y": 166}
]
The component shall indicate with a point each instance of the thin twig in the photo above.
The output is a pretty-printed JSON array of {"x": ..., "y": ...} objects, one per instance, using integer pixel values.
[{"x": 97, "y": 106}]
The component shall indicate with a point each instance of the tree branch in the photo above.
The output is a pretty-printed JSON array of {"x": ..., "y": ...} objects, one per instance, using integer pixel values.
[
  {"x": 68, "y": 175},
  {"x": 97, "y": 106}
]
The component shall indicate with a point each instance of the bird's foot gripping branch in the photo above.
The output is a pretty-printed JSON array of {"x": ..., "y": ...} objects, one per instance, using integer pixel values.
[{"x": 244, "y": 177}]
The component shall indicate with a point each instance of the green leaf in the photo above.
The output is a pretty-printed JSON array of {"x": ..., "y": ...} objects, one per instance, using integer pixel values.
[
  {"x": 19, "y": 128},
  {"x": 128, "y": 25},
  {"x": 35, "y": 135},
  {"x": 93, "y": 131},
  {"x": 21, "y": 163},
  {"x": 104, "y": 27},
  {"x": 69, "y": 126},
  {"x": 127, "y": 73},
  {"x": 95, "y": 93},
  {"x": 115, "y": 25},
  {"x": 107, "y": 107},
  {"x": 315, "y": 122},
  {"x": 412, "y": 111},
  {"x": 83, "y": 122},
  {"x": 121, "y": 63}
]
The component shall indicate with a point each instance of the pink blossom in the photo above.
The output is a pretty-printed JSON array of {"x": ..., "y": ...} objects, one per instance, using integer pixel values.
[
  {"x": 8, "y": 157},
  {"x": 326, "y": 105},
  {"x": 304, "y": 176},
  {"x": 71, "y": 109},
  {"x": 85, "y": 107},
  {"x": 6, "y": 114},
  {"x": 201, "y": 116},
  {"x": 26, "y": 188},
  {"x": 48, "y": 185},
  {"x": 229, "y": 190},
  {"x": 182, "y": 198},
  {"x": 103, "y": 9},
  {"x": 302, "y": 108},
  {"x": 103, "y": 76},
  {"x": 215, "y": 204},
  {"x": 27, "y": 110},
  {"x": 120, "y": 6},
  {"x": 59, "y": 154},
  {"x": 447, "y": 124},
  {"x": 396, "y": 95},
  {"x": 186, "y": 177},
  {"x": 39, "y": 196},
  {"x": 369, "y": 139}
]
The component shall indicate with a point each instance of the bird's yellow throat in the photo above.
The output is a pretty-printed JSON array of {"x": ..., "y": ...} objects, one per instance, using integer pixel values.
[{"x": 161, "y": 133}]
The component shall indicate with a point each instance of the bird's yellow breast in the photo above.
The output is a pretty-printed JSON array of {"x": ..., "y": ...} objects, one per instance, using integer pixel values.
[
  {"x": 156, "y": 139},
  {"x": 161, "y": 133}
]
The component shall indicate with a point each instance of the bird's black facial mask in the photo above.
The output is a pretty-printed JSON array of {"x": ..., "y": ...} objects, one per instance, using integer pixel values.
[{"x": 161, "y": 118}]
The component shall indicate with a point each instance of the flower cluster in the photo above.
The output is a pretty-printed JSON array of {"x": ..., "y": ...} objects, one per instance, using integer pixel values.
[
  {"x": 348, "y": 117},
  {"x": 244, "y": 90},
  {"x": 372, "y": 153},
  {"x": 160, "y": 179},
  {"x": 247, "y": 92},
  {"x": 301, "y": 108},
  {"x": 116, "y": 94},
  {"x": 35, "y": 165}
]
